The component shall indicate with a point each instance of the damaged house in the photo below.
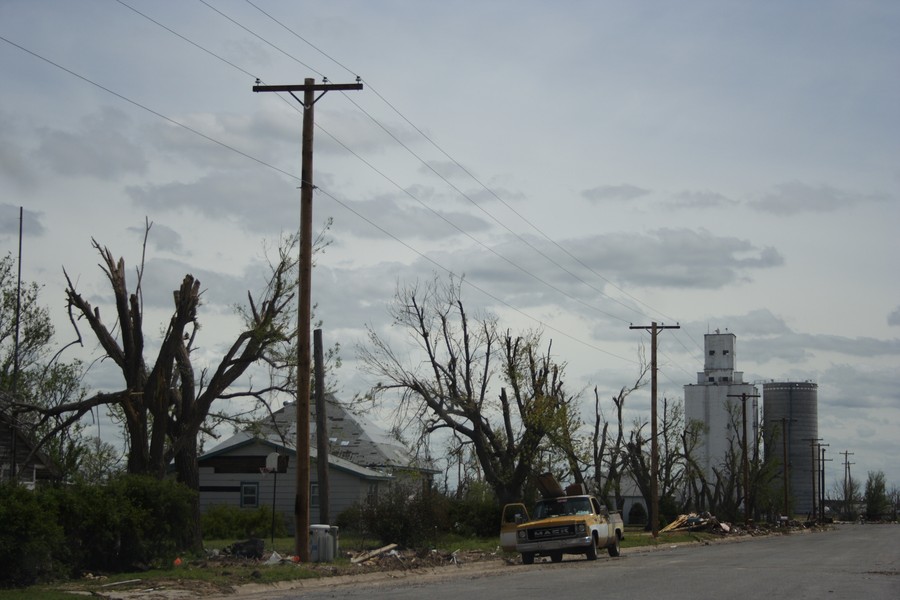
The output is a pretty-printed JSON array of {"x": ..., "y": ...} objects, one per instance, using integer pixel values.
[{"x": 362, "y": 462}]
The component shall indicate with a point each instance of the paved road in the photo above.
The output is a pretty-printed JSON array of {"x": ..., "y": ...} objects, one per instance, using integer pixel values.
[{"x": 853, "y": 562}]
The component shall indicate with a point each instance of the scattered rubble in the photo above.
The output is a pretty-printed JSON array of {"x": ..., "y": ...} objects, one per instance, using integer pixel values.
[{"x": 707, "y": 523}]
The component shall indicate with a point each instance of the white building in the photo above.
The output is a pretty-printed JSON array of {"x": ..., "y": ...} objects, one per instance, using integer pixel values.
[{"x": 713, "y": 401}]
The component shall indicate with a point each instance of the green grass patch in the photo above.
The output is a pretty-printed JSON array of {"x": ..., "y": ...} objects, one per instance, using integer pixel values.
[{"x": 638, "y": 539}]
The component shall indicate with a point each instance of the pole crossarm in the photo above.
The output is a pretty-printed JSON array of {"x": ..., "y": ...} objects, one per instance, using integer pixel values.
[
  {"x": 308, "y": 88},
  {"x": 316, "y": 87}
]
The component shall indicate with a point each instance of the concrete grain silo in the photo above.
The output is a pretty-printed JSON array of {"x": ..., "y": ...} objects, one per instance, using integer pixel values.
[{"x": 791, "y": 418}]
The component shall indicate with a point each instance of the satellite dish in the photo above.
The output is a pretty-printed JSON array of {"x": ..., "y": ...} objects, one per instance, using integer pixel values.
[{"x": 272, "y": 462}]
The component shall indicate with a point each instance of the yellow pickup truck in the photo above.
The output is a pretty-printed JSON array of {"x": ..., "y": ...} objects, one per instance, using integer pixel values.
[{"x": 561, "y": 525}]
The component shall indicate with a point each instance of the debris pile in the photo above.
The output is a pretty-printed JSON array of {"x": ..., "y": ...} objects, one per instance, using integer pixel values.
[{"x": 694, "y": 522}]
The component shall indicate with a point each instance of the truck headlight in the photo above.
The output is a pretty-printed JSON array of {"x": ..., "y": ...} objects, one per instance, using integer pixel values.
[
  {"x": 580, "y": 528},
  {"x": 521, "y": 535}
]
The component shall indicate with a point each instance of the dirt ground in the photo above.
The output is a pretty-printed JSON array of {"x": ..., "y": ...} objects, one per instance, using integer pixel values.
[{"x": 388, "y": 567}]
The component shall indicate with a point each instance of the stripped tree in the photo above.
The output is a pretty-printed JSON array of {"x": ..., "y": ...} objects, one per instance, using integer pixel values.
[{"x": 163, "y": 402}]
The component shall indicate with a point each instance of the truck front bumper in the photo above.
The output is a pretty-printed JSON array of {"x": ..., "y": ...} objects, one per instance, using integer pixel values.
[{"x": 564, "y": 544}]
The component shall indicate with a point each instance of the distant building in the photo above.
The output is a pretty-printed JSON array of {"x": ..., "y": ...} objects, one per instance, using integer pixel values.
[
  {"x": 790, "y": 412},
  {"x": 715, "y": 402}
]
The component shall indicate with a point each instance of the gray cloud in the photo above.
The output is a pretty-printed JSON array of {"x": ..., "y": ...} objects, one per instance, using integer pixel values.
[
  {"x": 9, "y": 221},
  {"x": 795, "y": 197},
  {"x": 680, "y": 258},
  {"x": 614, "y": 193},
  {"x": 403, "y": 217},
  {"x": 253, "y": 198},
  {"x": 690, "y": 199},
  {"x": 98, "y": 148},
  {"x": 14, "y": 167},
  {"x": 854, "y": 387},
  {"x": 161, "y": 237},
  {"x": 894, "y": 317}
]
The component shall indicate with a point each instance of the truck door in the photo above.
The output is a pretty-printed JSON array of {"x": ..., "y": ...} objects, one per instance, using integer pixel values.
[{"x": 513, "y": 514}]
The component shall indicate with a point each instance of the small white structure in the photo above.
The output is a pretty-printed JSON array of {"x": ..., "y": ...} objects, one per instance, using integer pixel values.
[{"x": 715, "y": 399}]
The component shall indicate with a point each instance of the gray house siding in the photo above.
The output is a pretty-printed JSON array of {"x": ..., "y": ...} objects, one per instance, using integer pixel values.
[{"x": 225, "y": 473}]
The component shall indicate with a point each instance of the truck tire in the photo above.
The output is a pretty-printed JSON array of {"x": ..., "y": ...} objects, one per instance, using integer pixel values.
[
  {"x": 556, "y": 556},
  {"x": 613, "y": 548},
  {"x": 528, "y": 558},
  {"x": 592, "y": 550}
]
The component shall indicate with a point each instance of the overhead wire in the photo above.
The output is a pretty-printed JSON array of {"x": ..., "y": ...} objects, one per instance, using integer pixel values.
[
  {"x": 490, "y": 191},
  {"x": 424, "y": 162},
  {"x": 299, "y": 179},
  {"x": 373, "y": 167}
]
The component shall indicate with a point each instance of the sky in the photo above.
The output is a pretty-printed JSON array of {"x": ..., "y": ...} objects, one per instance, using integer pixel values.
[{"x": 584, "y": 166}]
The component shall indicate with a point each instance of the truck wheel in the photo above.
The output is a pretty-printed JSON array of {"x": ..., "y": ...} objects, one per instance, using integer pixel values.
[
  {"x": 556, "y": 557},
  {"x": 528, "y": 558},
  {"x": 613, "y": 548},
  {"x": 592, "y": 551}
]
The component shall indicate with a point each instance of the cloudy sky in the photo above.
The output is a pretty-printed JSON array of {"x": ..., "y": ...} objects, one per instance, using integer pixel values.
[{"x": 584, "y": 165}]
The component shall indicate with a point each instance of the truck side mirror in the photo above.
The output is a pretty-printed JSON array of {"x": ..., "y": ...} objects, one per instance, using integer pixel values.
[{"x": 520, "y": 518}]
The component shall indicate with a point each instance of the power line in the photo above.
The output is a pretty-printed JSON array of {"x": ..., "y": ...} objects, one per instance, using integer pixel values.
[
  {"x": 374, "y": 90},
  {"x": 319, "y": 189}
]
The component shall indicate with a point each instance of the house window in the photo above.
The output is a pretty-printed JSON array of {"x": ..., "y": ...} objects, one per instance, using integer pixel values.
[
  {"x": 314, "y": 495},
  {"x": 249, "y": 495},
  {"x": 725, "y": 352},
  {"x": 723, "y": 379},
  {"x": 712, "y": 379},
  {"x": 712, "y": 352},
  {"x": 373, "y": 491}
]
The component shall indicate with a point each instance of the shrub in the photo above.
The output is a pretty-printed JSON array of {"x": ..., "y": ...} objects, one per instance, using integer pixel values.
[
  {"x": 637, "y": 515},
  {"x": 476, "y": 514},
  {"x": 404, "y": 515},
  {"x": 229, "y": 522},
  {"x": 132, "y": 522},
  {"x": 30, "y": 538}
]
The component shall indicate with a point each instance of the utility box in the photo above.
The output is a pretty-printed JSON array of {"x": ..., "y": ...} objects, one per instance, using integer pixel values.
[{"x": 322, "y": 544}]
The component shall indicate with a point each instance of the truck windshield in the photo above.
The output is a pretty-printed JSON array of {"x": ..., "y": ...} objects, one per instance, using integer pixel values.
[{"x": 558, "y": 507}]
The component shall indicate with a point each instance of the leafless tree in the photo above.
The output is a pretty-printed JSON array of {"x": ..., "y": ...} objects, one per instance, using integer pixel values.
[
  {"x": 670, "y": 474},
  {"x": 164, "y": 404},
  {"x": 448, "y": 385}
]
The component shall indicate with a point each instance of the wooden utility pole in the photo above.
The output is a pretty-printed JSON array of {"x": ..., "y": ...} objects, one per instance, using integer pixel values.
[
  {"x": 847, "y": 480},
  {"x": 822, "y": 461},
  {"x": 301, "y": 498},
  {"x": 745, "y": 461},
  {"x": 654, "y": 329},
  {"x": 812, "y": 448}
]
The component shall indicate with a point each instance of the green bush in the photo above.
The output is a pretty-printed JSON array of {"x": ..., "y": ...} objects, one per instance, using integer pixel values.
[
  {"x": 404, "y": 515},
  {"x": 132, "y": 522},
  {"x": 229, "y": 522},
  {"x": 637, "y": 515},
  {"x": 476, "y": 514},
  {"x": 30, "y": 538}
]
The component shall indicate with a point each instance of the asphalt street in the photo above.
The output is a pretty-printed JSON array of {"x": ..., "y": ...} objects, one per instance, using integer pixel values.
[{"x": 851, "y": 562}]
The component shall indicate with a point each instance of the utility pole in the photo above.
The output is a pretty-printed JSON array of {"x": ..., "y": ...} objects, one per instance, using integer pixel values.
[
  {"x": 654, "y": 329},
  {"x": 786, "y": 467},
  {"x": 812, "y": 448},
  {"x": 847, "y": 480},
  {"x": 745, "y": 467},
  {"x": 822, "y": 461},
  {"x": 301, "y": 498}
]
